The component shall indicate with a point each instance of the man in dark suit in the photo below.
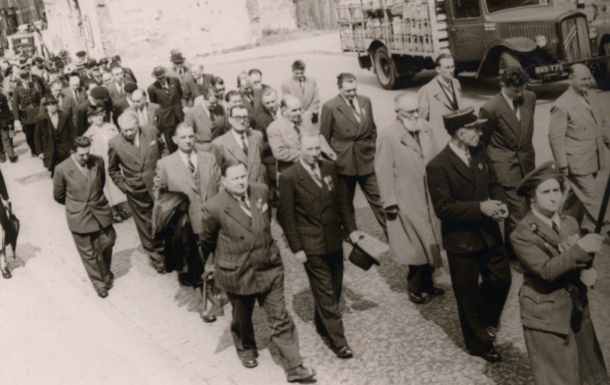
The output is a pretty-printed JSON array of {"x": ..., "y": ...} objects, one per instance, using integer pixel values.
[
  {"x": 117, "y": 87},
  {"x": 508, "y": 138},
  {"x": 248, "y": 266},
  {"x": 124, "y": 102},
  {"x": 250, "y": 98},
  {"x": 132, "y": 163},
  {"x": 469, "y": 201},
  {"x": 98, "y": 96},
  {"x": 267, "y": 115},
  {"x": 197, "y": 82},
  {"x": 78, "y": 184},
  {"x": 116, "y": 59},
  {"x": 312, "y": 213},
  {"x": 54, "y": 135},
  {"x": 65, "y": 104},
  {"x": 348, "y": 126},
  {"x": 202, "y": 117},
  {"x": 167, "y": 93},
  {"x": 75, "y": 90}
]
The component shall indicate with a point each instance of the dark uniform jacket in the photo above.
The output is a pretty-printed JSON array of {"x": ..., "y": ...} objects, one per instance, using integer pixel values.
[
  {"x": 457, "y": 192},
  {"x": 26, "y": 101}
]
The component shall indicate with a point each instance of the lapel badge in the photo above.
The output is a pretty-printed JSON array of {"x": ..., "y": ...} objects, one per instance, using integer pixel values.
[
  {"x": 534, "y": 226},
  {"x": 259, "y": 204},
  {"x": 329, "y": 182},
  {"x": 480, "y": 166}
]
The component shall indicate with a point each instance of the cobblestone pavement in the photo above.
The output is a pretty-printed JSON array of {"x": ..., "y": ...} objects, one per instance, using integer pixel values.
[{"x": 395, "y": 341}]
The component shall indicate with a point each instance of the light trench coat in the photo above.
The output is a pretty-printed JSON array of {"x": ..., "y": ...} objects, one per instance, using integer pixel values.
[
  {"x": 400, "y": 166},
  {"x": 100, "y": 136}
]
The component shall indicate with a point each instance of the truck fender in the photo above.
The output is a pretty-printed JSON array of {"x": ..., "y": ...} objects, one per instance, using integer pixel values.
[{"x": 492, "y": 52}]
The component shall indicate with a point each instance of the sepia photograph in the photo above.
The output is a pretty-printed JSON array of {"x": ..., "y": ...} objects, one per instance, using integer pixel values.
[{"x": 339, "y": 192}]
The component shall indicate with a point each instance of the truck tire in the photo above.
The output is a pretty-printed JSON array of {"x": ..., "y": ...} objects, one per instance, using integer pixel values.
[
  {"x": 384, "y": 68},
  {"x": 507, "y": 59},
  {"x": 602, "y": 75}
]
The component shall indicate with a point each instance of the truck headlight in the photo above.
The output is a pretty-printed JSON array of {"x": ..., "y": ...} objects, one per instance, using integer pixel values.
[
  {"x": 541, "y": 41},
  {"x": 592, "y": 33}
]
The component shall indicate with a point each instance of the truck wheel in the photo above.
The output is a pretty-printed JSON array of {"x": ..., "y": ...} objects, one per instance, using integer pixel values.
[
  {"x": 602, "y": 75},
  {"x": 384, "y": 67},
  {"x": 507, "y": 59}
]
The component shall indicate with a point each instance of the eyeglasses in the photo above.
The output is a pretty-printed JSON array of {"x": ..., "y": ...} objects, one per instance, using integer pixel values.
[
  {"x": 410, "y": 113},
  {"x": 242, "y": 118}
]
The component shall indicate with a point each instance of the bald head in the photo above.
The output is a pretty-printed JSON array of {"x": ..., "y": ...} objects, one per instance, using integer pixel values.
[
  {"x": 291, "y": 108},
  {"x": 406, "y": 101},
  {"x": 580, "y": 78}
]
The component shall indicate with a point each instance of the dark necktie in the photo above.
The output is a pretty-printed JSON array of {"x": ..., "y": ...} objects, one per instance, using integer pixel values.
[
  {"x": 212, "y": 116},
  {"x": 351, "y": 103},
  {"x": 190, "y": 164},
  {"x": 244, "y": 144},
  {"x": 468, "y": 157},
  {"x": 315, "y": 175},
  {"x": 555, "y": 227},
  {"x": 245, "y": 206},
  {"x": 296, "y": 128},
  {"x": 415, "y": 135}
]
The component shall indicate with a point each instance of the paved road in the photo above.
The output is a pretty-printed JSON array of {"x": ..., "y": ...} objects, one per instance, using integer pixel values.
[{"x": 56, "y": 329}]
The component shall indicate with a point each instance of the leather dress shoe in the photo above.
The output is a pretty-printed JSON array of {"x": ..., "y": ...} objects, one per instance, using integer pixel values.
[
  {"x": 344, "y": 353},
  {"x": 103, "y": 293},
  {"x": 434, "y": 290},
  {"x": 249, "y": 362},
  {"x": 492, "y": 332},
  {"x": 300, "y": 374},
  {"x": 14, "y": 159},
  {"x": 6, "y": 273},
  {"x": 416, "y": 298},
  {"x": 208, "y": 318},
  {"x": 490, "y": 356}
]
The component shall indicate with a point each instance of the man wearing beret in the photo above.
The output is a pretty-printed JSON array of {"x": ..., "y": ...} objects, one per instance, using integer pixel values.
[
  {"x": 557, "y": 327},
  {"x": 578, "y": 133},
  {"x": 469, "y": 200},
  {"x": 98, "y": 96}
]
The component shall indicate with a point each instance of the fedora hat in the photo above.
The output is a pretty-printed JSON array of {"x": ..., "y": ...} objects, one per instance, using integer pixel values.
[
  {"x": 464, "y": 118},
  {"x": 159, "y": 72},
  {"x": 362, "y": 258},
  {"x": 177, "y": 57},
  {"x": 50, "y": 99}
]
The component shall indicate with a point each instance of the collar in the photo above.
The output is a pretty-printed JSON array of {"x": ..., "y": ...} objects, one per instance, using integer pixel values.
[
  {"x": 443, "y": 82},
  {"x": 546, "y": 220},
  {"x": 308, "y": 167},
  {"x": 239, "y": 198},
  {"x": 347, "y": 100},
  {"x": 238, "y": 136},
  {"x": 459, "y": 152},
  {"x": 184, "y": 157},
  {"x": 508, "y": 100},
  {"x": 78, "y": 164}
]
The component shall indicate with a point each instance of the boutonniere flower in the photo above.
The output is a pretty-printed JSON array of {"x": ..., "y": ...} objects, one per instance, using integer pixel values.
[
  {"x": 259, "y": 203},
  {"x": 329, "y": 182},
  {"x": 480, "y": 166}
]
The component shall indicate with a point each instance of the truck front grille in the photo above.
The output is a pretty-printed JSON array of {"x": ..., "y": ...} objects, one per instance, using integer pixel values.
[
  {"x": 576, "y": 39},
  {"x": 531, "y": 31}
]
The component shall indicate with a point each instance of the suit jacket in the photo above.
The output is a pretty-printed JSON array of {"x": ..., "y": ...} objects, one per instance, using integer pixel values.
[
  {"x": 262, "y": 120},
  {"x": 173, "y": 175},
  {"x": 226, "y": 147},
  {"x": 152, "y": 110},
  {"x": 457, "y": 192},
  {"x": 69, "y": 107},
  {"x": 353, "y": 142},
  {"x": 312, "y": 216},
  {"x": 118, "y": 107},
  {"x": 82, "y": 94},
  {"x": 433, "y": 104},
  {"x": 308, "y": 95},
  {"x": 545, "y": 303},
  {"x": 284, "y": 143},
  {"x": 509, "y": 140},
  {"x": 577, "y": 134},
  {"x": 170, "y": 102},
  {"x": 246, "y": 259},
  {"x": 45, "y": 141},
  {"x": 194, "y": 89},
  {"x": 87, "y": 209},
  {"x": 200, "y": 120},
  {"x": 253, "y": 105},
  {"x": 115, "y": 94},
  {"x": 83, "y": 120},
  {"x": 131, "y": 168}
]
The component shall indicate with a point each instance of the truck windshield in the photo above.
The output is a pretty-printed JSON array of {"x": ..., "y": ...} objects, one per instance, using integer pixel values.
[{"x": 503, "y": 5}]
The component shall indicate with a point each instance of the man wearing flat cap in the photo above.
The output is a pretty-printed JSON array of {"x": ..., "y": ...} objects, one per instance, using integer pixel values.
[
  {"x": 54, "y": 134},
  {"x": 557, "y": 326},
  {"x": 98, "y": 96},
  {"x": 166, "y": 91},
  {"x": 469, "y": 200}
]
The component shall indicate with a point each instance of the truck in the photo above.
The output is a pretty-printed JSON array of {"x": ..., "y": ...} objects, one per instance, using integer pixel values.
[{"x": 398, "y": 38}]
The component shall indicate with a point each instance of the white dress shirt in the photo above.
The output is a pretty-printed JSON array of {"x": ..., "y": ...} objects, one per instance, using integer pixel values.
[
  {"x": 238, "y": 138},
  {"x": 314, "y": 173},
  {"x": 464, "y": 155},
  {"x": 549, "y": 221},
  {"x": 510, "y": 104},
  {"x": 356, "y": 106},
  {"x": 185, "y": 159}
]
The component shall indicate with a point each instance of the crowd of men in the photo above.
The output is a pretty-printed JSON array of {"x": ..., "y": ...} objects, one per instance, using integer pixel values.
[{"x": 202, "y": 169}]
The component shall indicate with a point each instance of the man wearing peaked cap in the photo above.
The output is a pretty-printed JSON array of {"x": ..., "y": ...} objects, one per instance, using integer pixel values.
[
  {"x": 557, "y": 271},
  {"x": 469, "y": 201}
]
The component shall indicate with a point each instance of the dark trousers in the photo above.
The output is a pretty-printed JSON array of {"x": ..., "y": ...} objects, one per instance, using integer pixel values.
[
  {"x": 283, "y": 330},
  {"x": 518, "y": 207},
  {"x": 479, "y": 306},
  {"x": 168, "y": 133},
  {"x": 141, "y": 204},
  {"x": 420, "y": 278},
  {"x": 325, "y": 273},
  {"x": 28, "y": 130},
  {"x": 7, "y": 144},
  {"x": 272, "y": 182},
  {"x": 95, "y": 250},
  {"x": 368, "y": 185}
]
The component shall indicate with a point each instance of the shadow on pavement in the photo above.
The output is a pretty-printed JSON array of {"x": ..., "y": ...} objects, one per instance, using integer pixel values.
[
  {"x": 25, "y": 251},
  {"x": 121, "y": 262},
  {"x": 34, "y": 178}
]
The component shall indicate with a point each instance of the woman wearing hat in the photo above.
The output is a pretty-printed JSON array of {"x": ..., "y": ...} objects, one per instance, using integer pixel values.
[
  {"x": 100, "y": 133},
  {"x": 558, "y": 332}
]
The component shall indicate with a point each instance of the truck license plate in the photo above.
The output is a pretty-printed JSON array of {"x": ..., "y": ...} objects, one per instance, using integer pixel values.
[{"x": 547, "y": 69}]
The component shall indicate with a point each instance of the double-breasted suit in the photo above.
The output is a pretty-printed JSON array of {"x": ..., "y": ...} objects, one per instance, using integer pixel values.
[
  {"x": 314, "y": 217},
  {"x": 226, "y": 147},
  {"x": 248, "y": 266},
  {"x": 132, "y": 169},
  {"x": 352, "y": 137},
  {"x": 560, "y": 338},
  {"x": 54, "y": 142},
  {"x": 169, "y": 98},
  {"x": 415, "y": 234},
  {"x": 510, "y": 147},
  {"x": 174, "y": 175},
  {"x": 306, "y": 92},
  {"x": 473, "y": 241},
  {"x": 578, "y": 135},
  {"x": 88, "y": 214},
  {"x": 434, "y": 102}
]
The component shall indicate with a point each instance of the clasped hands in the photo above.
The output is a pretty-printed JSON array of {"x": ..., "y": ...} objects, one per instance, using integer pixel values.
[{"x": 494, "y": 209}]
